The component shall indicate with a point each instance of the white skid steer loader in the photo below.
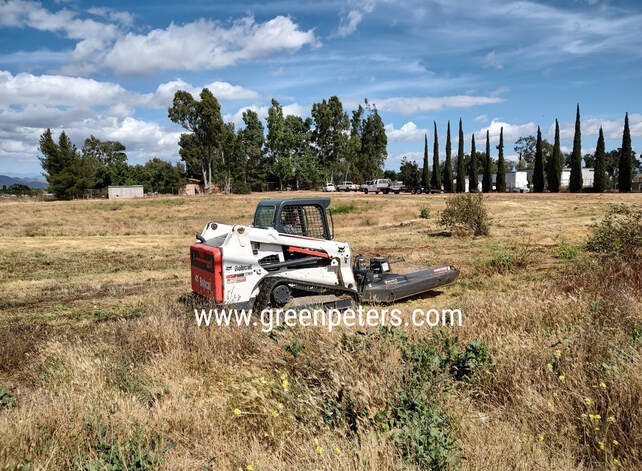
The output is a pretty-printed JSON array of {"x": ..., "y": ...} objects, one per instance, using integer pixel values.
[{"x": 287, "y": 259}]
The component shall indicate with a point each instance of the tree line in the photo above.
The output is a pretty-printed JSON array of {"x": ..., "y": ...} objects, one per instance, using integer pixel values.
[
  {"x": 291, "y": 153},
  {"x": 611, "y": 169},
  {"x": 73, "y": 173}
]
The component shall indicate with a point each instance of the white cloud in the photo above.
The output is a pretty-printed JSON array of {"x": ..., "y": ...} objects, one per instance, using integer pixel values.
[
  {"x": 512, "y": 132},
  {"x": 24, "y": 89},
  {"x": 481, "y": 118},
  {"x": 412, "y": 156},
  {"x": 353, "y": 18},
  {"x": 409, "y": 132},
  {"x": 164, "y": 93},
  {"x": 61, "y": 90},
  {"x": 491, "y": 60},
  {"x": 201, "y": 44},
  {"x": 613, "y": 129},
  {"x": 262, "y": 111},
  {"x": 205, "y": 44},
  {"x": 411, "y": 105}
]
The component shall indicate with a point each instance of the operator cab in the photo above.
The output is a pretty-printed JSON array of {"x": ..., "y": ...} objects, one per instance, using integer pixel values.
[{"x": 306, "y": 217}]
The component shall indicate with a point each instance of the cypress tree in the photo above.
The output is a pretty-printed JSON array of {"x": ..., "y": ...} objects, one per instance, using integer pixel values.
[
  {"x": 575, "y": 183},
  {"x": 461, "y": 176},
  {"x": 625, "y": 170},
  {"x": 501, "y": 167},
  {"x": 448, "y": 165},
  {"x": 538, "y": 174},
  {"x": 435, "y": 182},
  {"x": 425, "y": 175},
  {"x": 472, "y": 170},
  {"x": 599, "y": 174},
  {"x": 487, "y": 182},
  {"x": 554, "y": 170}
]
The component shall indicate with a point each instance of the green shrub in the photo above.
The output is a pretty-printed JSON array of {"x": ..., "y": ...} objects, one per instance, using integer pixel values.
[
  {"x": 344, "y": 208},
  {"x": 466, "y": 213},
  {"x": 565, "y": 251},
  {"x": 6, "y": 398},
  {"x": 241, "y": 188},
  {"x": 108, "y": 452},
  {"x": 619, "y": 234},
  {"x": 425, "y": 212},
  {"x": 294, "y": 347},
  {"x": 502, "y": 262}
]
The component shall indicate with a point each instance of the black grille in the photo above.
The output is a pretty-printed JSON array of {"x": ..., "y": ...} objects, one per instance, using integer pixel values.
[{"x": 303, "y": 220}]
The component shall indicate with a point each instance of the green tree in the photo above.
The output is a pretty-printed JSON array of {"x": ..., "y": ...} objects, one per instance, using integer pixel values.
[
  {"x": 252, "y": 139},
  {"x": 448, "y": 166},
  {"x": 331, "y": 126},
  {"x": 203, "y": 120},
  {"x": 373, "y": 143},
  {"x": 472, "y": 168},
  {"x": 351, "y": 170},
  {"x": 461, "y": 177},
  {"x": 425, "y": 171},
  {"x": 500, "y": 182},
  {"x": 297, "y": 140},
  {"x": 68, "y": 173},
  {"x": 109, "y": 159},
  {"x": 554, "y": 164},
  {"x": 282, "y": 165},
  {"x": 435, "y": 181},
  {"x": 599, "y": 171},
  {"x": 575, "y": 182},
  {"x": 538, "y": 173},
  {"x": 410, "y": 173},
  {"x": 487, "y": 181},
  {"x": 625, "y": 168}
]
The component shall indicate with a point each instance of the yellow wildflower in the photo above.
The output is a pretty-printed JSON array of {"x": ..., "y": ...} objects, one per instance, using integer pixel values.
[
  {"x": 587, "y": 401},
  {"x": 274, "y": 413},
  {"x": 280, "y": 406},
  {"x": 249, "y": 467},
  {"x": 596, "y": 428},
  {"x": 583, "y": 416},
  {"x": 284, "y": 375},
  {"x": 549, "y": 367},
  {"x": 616, "y": 462},
  {"x": 610, "y": 419},
  {"x": 550, "y": 405},
  {"x": 595, "y": 416},
  {"x": 562, "y": 378},
  {"x": 554, "y": 394},
  {"x": 315, "y": 441},
  {"x": 616, "y": 443},
  {"x": 602, "y": 384},
  {"x": 319, "y": 450},
  {"x": 285, "y": 384},
  {"x": 540, "y": 438},
  {"x": 601, "y": 444},
  {"x": 262, "y": 380},
  {"x": 237, "y": 411},
  {"x": 558, "y": 353},
  {"x": 337, "y": 451}
]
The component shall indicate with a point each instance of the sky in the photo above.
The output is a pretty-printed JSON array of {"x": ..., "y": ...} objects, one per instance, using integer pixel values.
[{"x": 110, "y": 69}]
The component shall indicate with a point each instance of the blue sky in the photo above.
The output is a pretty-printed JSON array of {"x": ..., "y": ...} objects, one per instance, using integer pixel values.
[{"x": 110, "y": 69}]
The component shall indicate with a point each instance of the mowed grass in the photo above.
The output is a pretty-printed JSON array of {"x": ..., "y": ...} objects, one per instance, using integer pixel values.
[{"x": 103, "y": 364}]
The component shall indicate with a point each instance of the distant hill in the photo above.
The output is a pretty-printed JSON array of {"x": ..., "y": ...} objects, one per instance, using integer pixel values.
[{"x": 31, "y": 182}]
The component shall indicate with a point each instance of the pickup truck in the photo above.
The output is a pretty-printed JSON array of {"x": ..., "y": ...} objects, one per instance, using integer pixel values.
[
  {"x": 347, "y": 186},
  {"x": 382, "y": 185}
]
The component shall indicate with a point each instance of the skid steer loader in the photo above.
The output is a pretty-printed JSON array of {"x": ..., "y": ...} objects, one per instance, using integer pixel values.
[{"x": 288, "y": 259}]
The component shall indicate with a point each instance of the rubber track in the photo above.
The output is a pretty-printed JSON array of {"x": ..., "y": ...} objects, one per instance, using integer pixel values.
[{"x": 262, "y": 300}]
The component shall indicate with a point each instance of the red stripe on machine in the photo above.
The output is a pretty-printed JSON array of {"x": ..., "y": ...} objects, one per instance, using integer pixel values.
[{"x": 316, "y": 253}]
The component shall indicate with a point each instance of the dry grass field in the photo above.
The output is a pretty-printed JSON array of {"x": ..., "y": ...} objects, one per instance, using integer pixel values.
[{"x": 104, "y": 368}]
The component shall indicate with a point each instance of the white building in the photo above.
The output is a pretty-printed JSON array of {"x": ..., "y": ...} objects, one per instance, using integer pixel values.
[
  {"x": 125, "y": 192},
  {"x": 516, "y": 181},
  {"x": 587, "y": 177}
]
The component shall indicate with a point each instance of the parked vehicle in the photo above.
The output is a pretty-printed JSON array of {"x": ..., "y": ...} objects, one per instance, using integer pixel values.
[
  {"x": 382, "y": 185},
  {"x": 347, "y": 186},
  {"x": 329, "y": 187}
]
